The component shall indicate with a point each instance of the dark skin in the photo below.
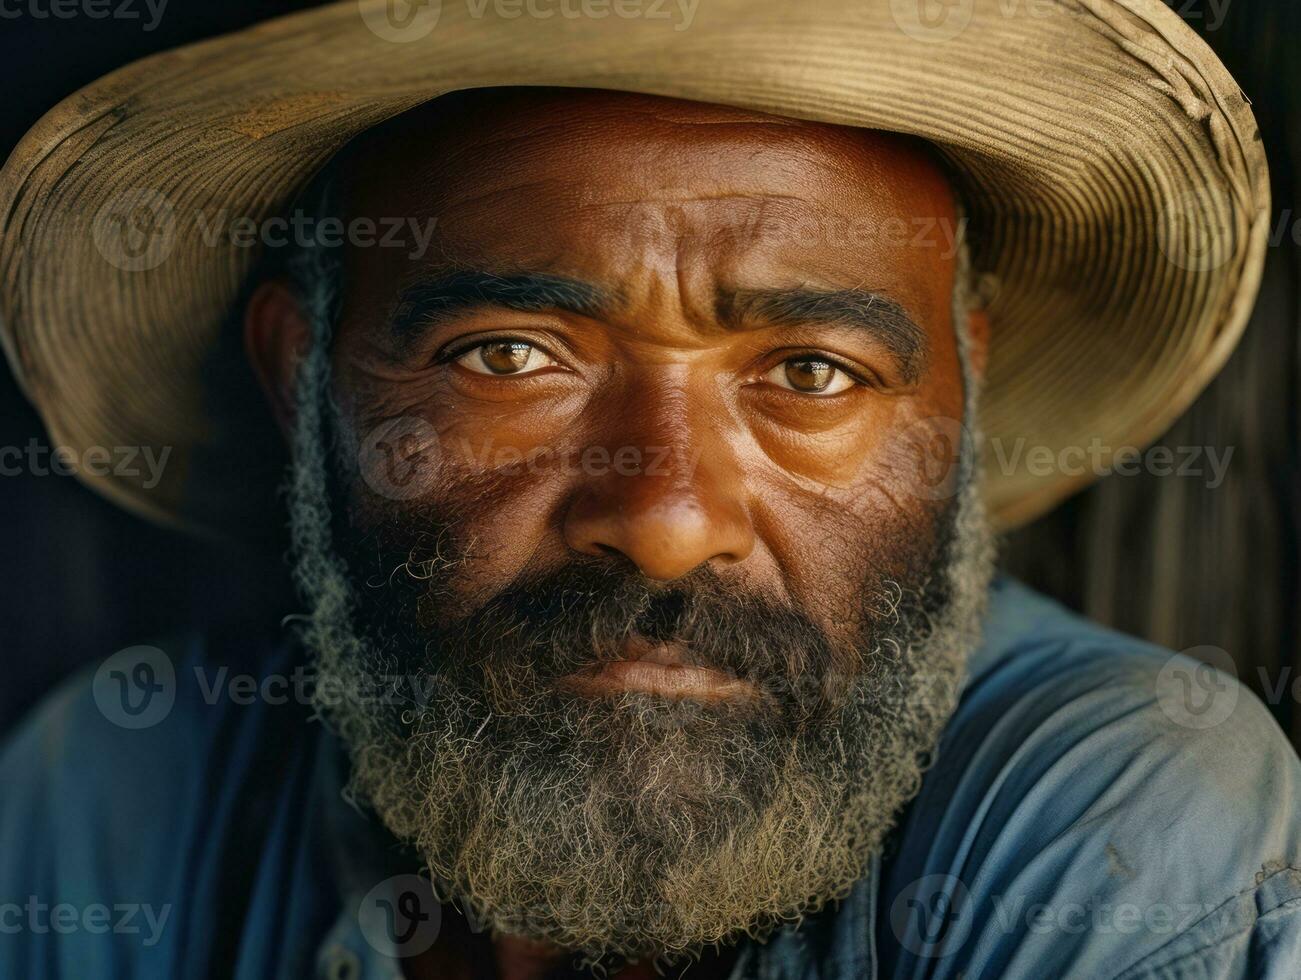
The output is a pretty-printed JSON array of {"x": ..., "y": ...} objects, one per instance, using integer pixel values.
[{"x": 745, "y": 291}]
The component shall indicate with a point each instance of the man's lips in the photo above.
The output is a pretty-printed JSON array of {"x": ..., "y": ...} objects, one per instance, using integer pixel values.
[{"x": 657, "y": 668}]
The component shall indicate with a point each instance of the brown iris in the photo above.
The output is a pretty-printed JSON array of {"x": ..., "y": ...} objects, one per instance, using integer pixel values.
[
  {"x": 809, "y": 374},
  {"x": 505, "y": 356}
]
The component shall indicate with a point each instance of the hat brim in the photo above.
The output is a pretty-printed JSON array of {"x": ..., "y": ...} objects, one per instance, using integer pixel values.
[{"x": 1112, "y": 171}]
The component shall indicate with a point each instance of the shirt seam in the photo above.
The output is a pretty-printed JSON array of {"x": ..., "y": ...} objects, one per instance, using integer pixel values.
[{"x": 1146, "y": 961}]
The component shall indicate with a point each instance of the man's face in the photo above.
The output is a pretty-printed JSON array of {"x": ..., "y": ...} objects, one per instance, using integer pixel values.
[{"x": 623, "y": 470}]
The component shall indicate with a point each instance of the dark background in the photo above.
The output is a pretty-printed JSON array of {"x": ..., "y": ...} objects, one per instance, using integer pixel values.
[{"x": 1168, "y": 558}]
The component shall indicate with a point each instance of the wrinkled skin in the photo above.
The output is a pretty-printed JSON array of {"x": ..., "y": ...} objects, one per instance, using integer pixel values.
[{"x": 759, "y": 444}]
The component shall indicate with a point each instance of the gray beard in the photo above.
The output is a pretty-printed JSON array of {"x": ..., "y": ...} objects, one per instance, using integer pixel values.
[{"x": 634, "y": 826}]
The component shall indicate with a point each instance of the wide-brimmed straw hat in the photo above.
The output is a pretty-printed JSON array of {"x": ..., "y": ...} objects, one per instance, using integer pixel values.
[{"x": 1111, "y": 170}]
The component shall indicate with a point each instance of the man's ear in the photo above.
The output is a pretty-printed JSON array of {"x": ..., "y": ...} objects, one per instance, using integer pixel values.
[
  {"x": 978, "y": 335},
  {"x": 277, "y": 336}
]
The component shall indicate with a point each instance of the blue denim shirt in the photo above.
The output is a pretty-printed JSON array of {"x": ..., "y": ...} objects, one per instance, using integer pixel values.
[{"x": 1098, "y": 808}]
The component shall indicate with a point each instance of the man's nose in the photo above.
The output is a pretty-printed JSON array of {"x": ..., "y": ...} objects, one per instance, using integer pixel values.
[{"x": 682, "y": 507}]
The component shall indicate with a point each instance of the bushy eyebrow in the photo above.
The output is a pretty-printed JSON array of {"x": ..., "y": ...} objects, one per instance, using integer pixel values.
[
  {"x": 434, "y": 299},
  {"x": 863, "y": 309},
  {"x": 438, "y": 297}
]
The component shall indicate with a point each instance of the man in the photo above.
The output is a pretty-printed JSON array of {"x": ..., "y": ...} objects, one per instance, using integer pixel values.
[{"x": 635, "y": 506}]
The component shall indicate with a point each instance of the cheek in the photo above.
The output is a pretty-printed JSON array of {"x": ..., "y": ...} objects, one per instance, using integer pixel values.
[
  {"x": 881, "y": 464},
  {"x": 475, "y": 526},
  {"x": 847, "y": 512},
  {"x": 836, "y": 549},
  {"x": 441, "y": 439},
  {"x": 832, "y": 445}
]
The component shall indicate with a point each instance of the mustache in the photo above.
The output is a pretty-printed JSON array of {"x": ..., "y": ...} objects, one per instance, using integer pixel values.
[{"x": 579, "y": 616}]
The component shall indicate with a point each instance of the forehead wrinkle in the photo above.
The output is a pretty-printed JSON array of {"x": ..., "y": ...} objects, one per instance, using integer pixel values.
[
  {"x": 443, "y": 155},
  {"x": 686, "y": 196}
]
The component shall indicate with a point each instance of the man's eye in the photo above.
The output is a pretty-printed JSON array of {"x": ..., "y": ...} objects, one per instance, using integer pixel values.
[
  {"x": 810, "y": 376},
  {"x": 501, "y": 357}
]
